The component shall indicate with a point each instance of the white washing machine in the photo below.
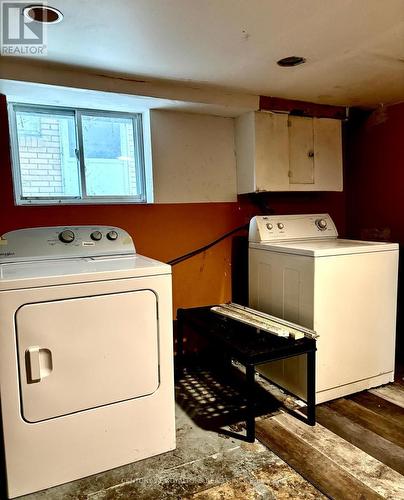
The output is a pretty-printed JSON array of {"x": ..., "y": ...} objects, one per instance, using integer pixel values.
[
  {"x": 86, "y": 354},
  {"x": 345, "y": 290}
]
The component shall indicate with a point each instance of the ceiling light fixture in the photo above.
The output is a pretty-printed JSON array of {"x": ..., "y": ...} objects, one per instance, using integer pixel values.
[
  {"x": 290, "y": 61},
  {"x": 43, "y": 14}
]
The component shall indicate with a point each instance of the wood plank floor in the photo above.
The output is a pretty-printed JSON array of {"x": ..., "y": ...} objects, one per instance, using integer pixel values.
[{"x": 356, "y": 449}]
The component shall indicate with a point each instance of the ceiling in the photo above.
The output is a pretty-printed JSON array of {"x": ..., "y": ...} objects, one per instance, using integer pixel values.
[{"x": 354, "y": 48}]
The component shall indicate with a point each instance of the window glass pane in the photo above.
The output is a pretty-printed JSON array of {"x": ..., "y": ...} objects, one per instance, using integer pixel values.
[
  {"x": 109, "y": 156},
  {"x": 29, "y": 124},
  {"x": 48, "y": 163}
]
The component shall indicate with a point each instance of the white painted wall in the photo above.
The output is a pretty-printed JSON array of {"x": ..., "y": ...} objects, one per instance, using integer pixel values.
[{"x": 193, "y": 157}]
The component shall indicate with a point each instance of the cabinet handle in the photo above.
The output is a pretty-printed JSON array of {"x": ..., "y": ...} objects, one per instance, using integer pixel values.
[{"x": 310, "y": 154}]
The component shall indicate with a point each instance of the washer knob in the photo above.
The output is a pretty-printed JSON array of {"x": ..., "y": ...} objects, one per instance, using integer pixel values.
[
  {"x": 321, "y": 224},
  {"x": 112, "y": 235},
  {"x": 269, "y": 226},
  {"x": 96, "y": 235},
  {"x": 66, "y": 236},
  {"x": 281, "y": 225}
]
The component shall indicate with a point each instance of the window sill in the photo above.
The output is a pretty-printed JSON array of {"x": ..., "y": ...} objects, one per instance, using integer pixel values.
[{"x": 89, "y": 201}]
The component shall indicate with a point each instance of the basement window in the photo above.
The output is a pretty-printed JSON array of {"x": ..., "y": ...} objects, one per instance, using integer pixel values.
[{"x": 67, "y": 156}]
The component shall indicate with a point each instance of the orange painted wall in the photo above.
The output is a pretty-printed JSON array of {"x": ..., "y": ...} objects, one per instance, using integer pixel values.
[{"x": 169, "y": 230}]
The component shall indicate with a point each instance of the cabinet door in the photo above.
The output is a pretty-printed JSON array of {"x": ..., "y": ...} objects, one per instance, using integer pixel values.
[
  {"x": 262, "y": 152},
  {"x": 272, "y": 152},
  {"x": 328, "y": 154},
  {"x": 301, "y": 150}
]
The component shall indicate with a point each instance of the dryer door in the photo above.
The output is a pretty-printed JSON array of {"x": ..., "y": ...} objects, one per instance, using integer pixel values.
[{"x": 81, "y": 353}]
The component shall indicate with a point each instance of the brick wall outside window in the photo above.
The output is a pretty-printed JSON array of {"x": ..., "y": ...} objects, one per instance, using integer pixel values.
[{"x": 40, "y": 160}]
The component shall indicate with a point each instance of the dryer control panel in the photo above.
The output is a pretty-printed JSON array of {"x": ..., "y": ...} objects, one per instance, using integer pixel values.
[
  {"x": 58, "y": 242},
  {"x": 291, "y": 227}
]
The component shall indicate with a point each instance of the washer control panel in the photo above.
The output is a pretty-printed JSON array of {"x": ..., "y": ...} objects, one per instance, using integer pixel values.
[
  {"x": 59, "y": 242},
  {"x": 291, "y": 227}
]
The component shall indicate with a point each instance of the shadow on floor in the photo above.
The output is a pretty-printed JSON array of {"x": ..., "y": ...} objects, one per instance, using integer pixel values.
[{"x": 215, "y": 399}]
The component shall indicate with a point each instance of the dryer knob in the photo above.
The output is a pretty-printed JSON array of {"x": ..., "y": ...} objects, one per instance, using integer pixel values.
[
  {"x": 321, "y": 224},
  {"x": 269, "y": 225},
  {"x": 112, "y": 235},
  {"x": 96, "y": 235},
  {"x": 66, "y": 236},
  {"x": 281, "y": 225}
]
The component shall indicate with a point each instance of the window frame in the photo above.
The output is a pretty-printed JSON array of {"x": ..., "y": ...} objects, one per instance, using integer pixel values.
[{"x": 83, "y": 199}]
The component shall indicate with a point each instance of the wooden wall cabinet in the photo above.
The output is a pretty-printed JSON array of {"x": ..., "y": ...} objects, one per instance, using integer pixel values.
[{"x": 278, "y": 152}]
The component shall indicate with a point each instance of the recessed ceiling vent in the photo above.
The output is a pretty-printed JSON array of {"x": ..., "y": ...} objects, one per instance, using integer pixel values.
[
  {"x": 43, "y": 14},
  {"x": 290, "y": 61}
]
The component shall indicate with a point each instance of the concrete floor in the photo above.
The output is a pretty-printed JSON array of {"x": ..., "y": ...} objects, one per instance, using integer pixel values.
[{"x": 205, "y": 465}]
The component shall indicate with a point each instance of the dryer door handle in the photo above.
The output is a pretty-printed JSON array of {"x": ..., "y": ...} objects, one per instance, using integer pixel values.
[
  {"x": 33, "y": 364},
  {"x": 39, "y": 363}
]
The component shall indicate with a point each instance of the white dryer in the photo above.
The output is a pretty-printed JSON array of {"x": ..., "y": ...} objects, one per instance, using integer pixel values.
[
  {"x": 86, "y": 354},
  {"x": 345, "y": 290}
]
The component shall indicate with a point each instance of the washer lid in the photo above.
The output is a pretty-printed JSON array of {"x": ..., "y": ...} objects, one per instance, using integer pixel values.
[
  {"x": 326, "y": 247},
  {"x": 14, "y": 275}
]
